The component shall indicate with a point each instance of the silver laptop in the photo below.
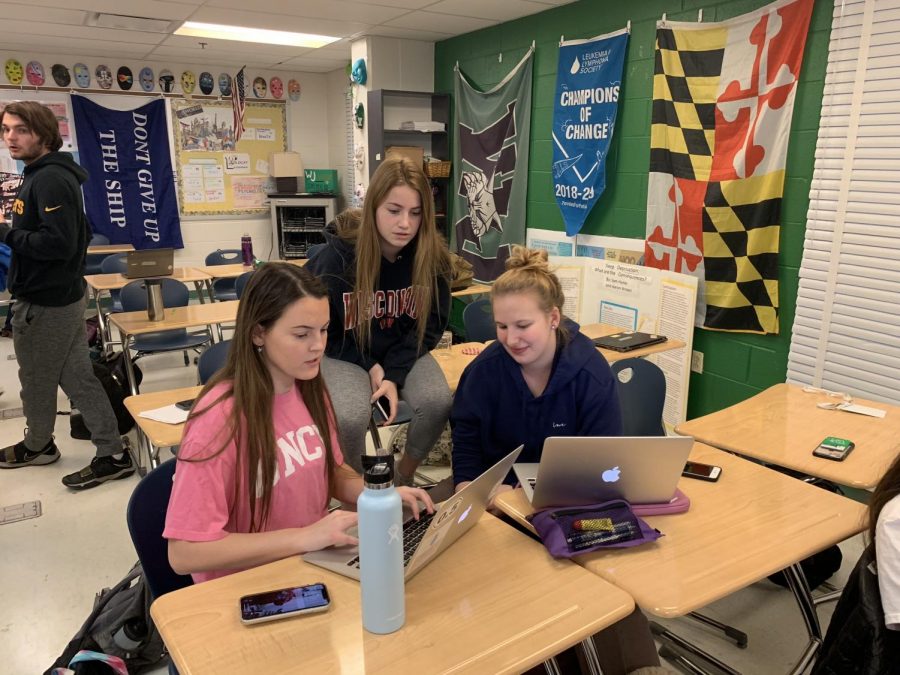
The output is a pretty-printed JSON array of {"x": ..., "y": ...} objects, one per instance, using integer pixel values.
[
  {"x": 426, "y": 538},
  {"x": 152, "y": 262},
  {"x": 588, "y": 470}
]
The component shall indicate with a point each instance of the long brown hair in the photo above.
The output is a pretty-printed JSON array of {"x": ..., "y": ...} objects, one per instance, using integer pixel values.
[
  {"x": 528, "y": 271},
  {"x": 268, "y": 293},
  {"x": 432, "y": 258},
  {"x": 888, "y": 488}
]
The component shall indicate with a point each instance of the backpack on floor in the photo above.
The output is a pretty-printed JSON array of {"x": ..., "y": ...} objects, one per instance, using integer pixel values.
[
  {"x": 119, "y": 625},
  {"x": 110, "y": 370}
]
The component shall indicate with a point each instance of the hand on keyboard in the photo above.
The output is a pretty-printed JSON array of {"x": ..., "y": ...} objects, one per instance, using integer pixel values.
[{"x": 411, "y": 498}]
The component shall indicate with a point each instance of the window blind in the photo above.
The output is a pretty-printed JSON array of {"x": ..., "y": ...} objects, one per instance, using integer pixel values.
[{"x": 846, "y": 333}]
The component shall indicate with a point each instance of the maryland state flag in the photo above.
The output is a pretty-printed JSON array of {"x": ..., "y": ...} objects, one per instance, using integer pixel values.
[{"x": 723, "y": 98}]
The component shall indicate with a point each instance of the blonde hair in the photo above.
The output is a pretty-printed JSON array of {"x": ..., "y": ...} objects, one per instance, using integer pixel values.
[
  {"x": 432, "y": 258},
  {"x": 528, "y": 271}
]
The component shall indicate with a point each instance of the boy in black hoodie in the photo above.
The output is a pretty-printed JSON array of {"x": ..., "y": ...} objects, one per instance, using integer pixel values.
[{"x": 48, "y": 236}]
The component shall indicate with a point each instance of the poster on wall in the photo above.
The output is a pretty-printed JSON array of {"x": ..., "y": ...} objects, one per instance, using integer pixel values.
[
  {"x": 130, "y": 194},
  {"x": 588, "y": 83},
  {"x": 216, "y": 175},
  {"x": 490, "y": 161},
  {"x": 723, "y": 98}
]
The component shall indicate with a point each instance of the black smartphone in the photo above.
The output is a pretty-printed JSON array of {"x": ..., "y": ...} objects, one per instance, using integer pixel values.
[
  {"x": 702, "y": 471},
  {"x": 185, "y": 404},
  {"x": 382, "y": 408},
  {"x": 284, "y": 602},
  {"x": 834, "y": 448}
]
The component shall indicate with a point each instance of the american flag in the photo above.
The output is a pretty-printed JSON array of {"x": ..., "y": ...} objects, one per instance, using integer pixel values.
[{"x": 237, "y": 104}]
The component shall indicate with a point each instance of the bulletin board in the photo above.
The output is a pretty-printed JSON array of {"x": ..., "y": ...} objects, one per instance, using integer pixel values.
[{"x": 214, "y": 175}]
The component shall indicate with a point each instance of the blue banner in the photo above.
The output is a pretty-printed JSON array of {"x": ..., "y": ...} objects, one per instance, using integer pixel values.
[
  {"x": 588, "y": 81},
  {"x": 130, "y": 194}
]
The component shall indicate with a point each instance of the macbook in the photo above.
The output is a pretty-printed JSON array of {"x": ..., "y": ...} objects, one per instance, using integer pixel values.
[
  {"x": 154, "y": 262},
  {"x": 628, "y": 341},
  {"x": 431, "y": 535},
  {"x": 589, "y": 470}
]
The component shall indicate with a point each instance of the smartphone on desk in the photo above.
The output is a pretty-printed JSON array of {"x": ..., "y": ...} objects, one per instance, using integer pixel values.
[
  {"x": 834, "y": 448},
  {"x": 284, "y": 603},
  {"x": 185, "y": 404},
  {"x": 702, "y": 471}
]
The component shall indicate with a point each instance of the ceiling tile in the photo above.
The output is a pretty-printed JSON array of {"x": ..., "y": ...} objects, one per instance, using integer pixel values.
[
  {"x": 431, "y": 21},
  {"x": 337, "y": 10},
  {"x": 233, "y": 17},
  {"x": 155, "y": 9},
  {"x": 499, "y": 10},
  {"x": 100, "y": 35},
  {"x": 409, "y": 33}
]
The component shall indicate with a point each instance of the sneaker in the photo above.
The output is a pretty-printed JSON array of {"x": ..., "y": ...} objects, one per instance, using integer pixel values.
[
  {"x": 18, "y": 455},
  {"x": 100, "y": 470}
]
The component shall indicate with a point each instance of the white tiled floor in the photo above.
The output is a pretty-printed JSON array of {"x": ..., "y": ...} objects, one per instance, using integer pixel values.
[{"x": 52, "y": 566}]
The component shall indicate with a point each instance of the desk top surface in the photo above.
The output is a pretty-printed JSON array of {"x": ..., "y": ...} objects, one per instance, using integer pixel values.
[
  {"x": 109, "y": 248},
  {"x": 782, "y": 425},
  {"x": 109, "y": 282},
  {"x": 461, "y": 616},
  {"x": 595, "y": 330},
  {"x": 136, "y": 323},
  {"x": 751, "y": 523},
  {"x": 162, "y": 435},
  {"x": 474, "y": 289},
  {"x": 225, "y": 271}
]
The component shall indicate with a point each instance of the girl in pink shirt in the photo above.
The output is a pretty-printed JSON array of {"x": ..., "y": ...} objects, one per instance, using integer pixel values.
[{"x": 265, "y": 420}]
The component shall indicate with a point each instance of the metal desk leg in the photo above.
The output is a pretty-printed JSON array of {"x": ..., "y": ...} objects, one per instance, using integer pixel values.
[
  {"x": 129, "y": 366},
  {"x": 552, "y": 667},
  {"x": 797, "y": 583},
  {"x": 144, "y": 448},
  {"x": 198, "y": 286},
  {"x": 671, "y": 639},
  {"x": 101, "y": 320},
  {"x": 739, "y": 636},
  {"x": 828, "y": 597},
  {"x": 590, "y": 656}
]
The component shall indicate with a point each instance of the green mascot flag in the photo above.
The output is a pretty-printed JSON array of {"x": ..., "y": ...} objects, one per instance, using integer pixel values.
[{"x": 490, "y": 160}]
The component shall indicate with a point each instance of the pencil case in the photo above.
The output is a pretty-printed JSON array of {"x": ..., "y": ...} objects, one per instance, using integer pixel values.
[{"x": 567, "y": 532}]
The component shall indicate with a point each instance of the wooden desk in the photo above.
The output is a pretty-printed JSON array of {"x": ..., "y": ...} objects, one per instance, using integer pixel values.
[
  {"x": 109, "y": 249},
  {"x": 461, "y": 617},
  {"x": 225, "y": 271},
  {"x": 159, "y": 434},
  {"x": 595, "y": 330},
  {"x": 474, "y": 289},
  {"x": 754, "y": 521},
  {"x": 131, "y": 324},
  {"x": 454, "y": 363},
  {"x": 782, "y": 426},
  {"x": 98, "y": 283}
]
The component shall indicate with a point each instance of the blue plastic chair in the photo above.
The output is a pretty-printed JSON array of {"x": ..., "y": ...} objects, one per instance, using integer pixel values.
[
  {"x": 241, "y": 283},
  {"x": 478, "y": 321},
  {"x": 212, "y": 359},
  {"x": 92, "y": 260},
  {"x": 146, "y": 517},
  {"x": 224, "y": 288},
  {"x": 642, "y": 396},
  {"x": 175, "y": 294},
  {"x": 116, "y": 263}
]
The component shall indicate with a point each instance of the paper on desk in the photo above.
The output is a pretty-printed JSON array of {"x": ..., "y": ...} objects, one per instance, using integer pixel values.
[
  {"x": 862, "y": 410},
  {"x": 168, "y": 414}
]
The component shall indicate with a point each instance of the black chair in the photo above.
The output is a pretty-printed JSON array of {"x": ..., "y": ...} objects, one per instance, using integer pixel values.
[
  {"x": 92, "y": 260},
  {"x": 241, "y": 283},
  {"x": 175, "y": 294},
  {"x": 146, "y": 518},
  {"x": 212, "y": 359},
  {"x": 224, "y": 288},
  {"x": 642, "y": 396},
  {"x": 478, "y": 321},
  {"x": 117, "y": 263}
]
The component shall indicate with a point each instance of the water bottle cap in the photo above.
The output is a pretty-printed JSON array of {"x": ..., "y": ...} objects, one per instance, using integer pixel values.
[{"x": 379, "y": 476}]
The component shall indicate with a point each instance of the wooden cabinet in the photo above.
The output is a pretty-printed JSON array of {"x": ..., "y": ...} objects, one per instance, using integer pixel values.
[{"x": 387, "y": 110}]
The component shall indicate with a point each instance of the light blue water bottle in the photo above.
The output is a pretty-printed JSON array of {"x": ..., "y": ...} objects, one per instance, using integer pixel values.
[{"x": 381, "y": 552}]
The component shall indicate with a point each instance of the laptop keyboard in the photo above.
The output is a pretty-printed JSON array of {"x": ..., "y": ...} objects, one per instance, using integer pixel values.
[{"x": 413, "y": 531}]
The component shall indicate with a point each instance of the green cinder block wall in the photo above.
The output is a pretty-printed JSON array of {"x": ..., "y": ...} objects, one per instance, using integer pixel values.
[{"x": 736, "y": 365}]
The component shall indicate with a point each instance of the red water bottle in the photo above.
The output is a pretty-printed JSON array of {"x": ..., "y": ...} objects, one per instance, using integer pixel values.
[{"x": 247, "y": 250}]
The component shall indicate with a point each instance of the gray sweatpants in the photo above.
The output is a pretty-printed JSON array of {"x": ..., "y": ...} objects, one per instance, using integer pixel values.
[
  {"x": 425, "y": 390},
  {"x": 52, "y": 352}
]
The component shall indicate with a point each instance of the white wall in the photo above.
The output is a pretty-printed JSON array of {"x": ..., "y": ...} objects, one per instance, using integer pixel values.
[
  {"x": 310, "y": 121},
  {"x": 338, "y": 86}
]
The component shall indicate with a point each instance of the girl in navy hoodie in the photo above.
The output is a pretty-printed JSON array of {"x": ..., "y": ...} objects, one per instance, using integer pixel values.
[
  {"x": 541, "y": 378},
  {"x": 388, "y": 275}
]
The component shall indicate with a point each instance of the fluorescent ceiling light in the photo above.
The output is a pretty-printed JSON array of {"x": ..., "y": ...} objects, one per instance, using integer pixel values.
[{"x": 259, "y": 35}]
